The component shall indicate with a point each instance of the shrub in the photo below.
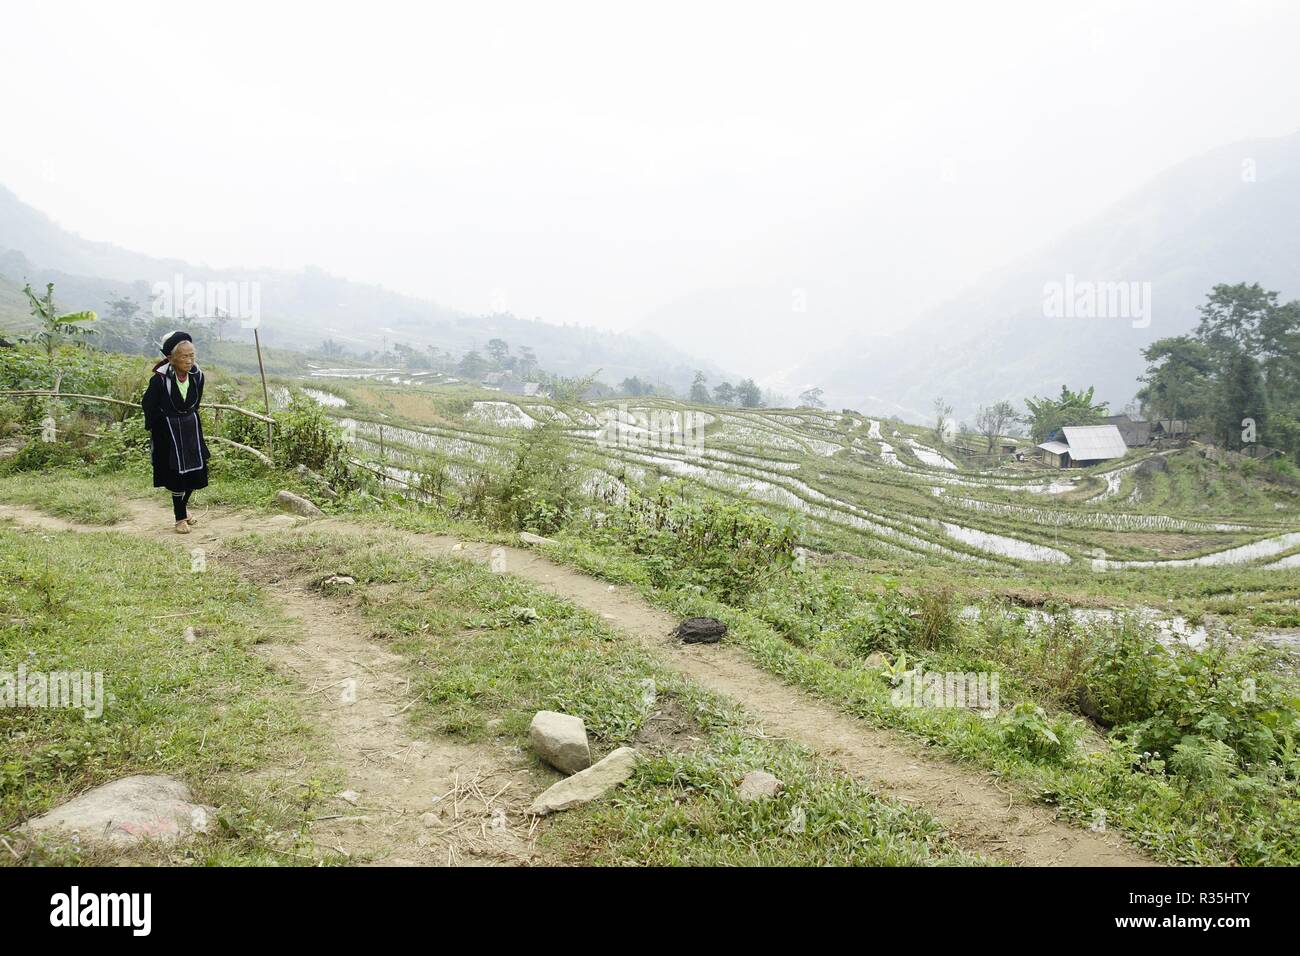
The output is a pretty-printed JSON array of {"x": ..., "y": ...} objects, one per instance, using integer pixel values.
[
  {"x": 885, "y": 621},
  {"x": 305, "y": 435},
  {"x": 1164, "y": 698},
  {"x": 1029, "y": 730},
  {"x": 539, "y": 492},
  {"x": 726, "y": 547},
  {"x": 936, "y": 619}
]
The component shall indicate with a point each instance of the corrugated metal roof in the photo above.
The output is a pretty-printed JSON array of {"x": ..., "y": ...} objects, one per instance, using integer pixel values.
[
  {"x": 1055, "y": 447},
  {"x": 1093, "y": 442}
]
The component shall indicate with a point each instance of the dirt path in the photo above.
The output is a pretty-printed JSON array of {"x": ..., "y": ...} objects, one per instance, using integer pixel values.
[
  {"x": 355, "y": 691},
  {"x": 979, "y": 814}
]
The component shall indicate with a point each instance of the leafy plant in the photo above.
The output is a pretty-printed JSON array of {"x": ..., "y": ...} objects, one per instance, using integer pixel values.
[
  {"x": 1031, "y": 731},
  {"x": 55, "y": 328}
]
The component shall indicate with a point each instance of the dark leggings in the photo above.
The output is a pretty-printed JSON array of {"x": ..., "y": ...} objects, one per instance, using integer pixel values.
[{"x": 179, "y": 501}]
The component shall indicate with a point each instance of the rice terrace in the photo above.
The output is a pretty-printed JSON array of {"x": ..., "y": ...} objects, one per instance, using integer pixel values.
[{"x": 529, "y": 443}]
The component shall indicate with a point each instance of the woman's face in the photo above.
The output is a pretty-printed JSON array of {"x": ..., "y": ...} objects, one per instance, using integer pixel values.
[{"x": 182, "y": 357}]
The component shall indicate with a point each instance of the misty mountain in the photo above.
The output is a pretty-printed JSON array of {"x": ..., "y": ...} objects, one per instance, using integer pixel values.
[
  {"x": 301, "y": 309},
  {"x": 1224, "y": 217}
]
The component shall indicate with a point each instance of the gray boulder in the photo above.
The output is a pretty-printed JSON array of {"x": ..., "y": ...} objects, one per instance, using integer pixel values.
[
  {"x": 560, "y": 740},
  {"x": 297, "y": 504},
  {"x": 594, "y": 782},
  {"x": 128, "y": 811}
]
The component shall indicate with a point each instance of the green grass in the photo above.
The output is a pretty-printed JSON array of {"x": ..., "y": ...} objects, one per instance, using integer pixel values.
[
  {"x": 208, "y": 712},
  {"x": 75, "y": 498},
  {"x": 1174, "y": 819},
  {"x": 475, "y": 661}
]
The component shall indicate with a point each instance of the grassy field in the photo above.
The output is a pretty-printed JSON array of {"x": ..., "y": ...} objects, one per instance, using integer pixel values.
[
  {"x": 209, "y": 712},
  {"x": 481, "y": 668},
  {"x": 1187, "y": 745}
]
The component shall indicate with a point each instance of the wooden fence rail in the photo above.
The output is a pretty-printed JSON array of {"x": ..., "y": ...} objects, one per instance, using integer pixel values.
[{"x": 49, "y": 393}]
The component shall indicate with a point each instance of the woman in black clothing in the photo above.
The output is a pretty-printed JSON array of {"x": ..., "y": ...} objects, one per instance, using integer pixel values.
[{"x": 171, "y": 413}]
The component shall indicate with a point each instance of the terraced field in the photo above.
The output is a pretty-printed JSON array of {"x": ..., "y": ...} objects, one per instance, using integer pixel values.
[{"x": 869, "y": 487}]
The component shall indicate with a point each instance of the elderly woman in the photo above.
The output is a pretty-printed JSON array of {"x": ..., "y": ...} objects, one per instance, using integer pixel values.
[{"x": 171, "y": 413}]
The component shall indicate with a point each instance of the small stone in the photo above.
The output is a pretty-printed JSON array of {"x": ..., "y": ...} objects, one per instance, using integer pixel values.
[
  {"x": 649, "y": 693},
  {"x": 349, "y": 796},
  {"x": 284, "y": 521},
  {"x": 589, "y": 784},
  {"x": 560, "y": 740},
  {"x": 878, "y": 660},
  {"x": 759, "y": 785},
  {"x": 297, "y": 504},
  {"x": 527, "y": 537},
  {"x": 430, "y": 819},
  {"x": 339, "y": 580},
  {"x": 189, "y": 635},
  {"x": 700, "y": 630}
]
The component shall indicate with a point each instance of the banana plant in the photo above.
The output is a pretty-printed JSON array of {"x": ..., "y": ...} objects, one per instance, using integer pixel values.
[{"x": 53, "y": 328}]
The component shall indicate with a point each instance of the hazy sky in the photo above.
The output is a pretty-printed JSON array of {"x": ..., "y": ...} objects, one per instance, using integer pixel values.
[{"x": 592, "y": 162}]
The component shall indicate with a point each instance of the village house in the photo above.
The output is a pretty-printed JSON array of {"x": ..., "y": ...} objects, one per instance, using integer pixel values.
[
  {"x": 1079, "y": 446},
  {"x": 1136, "y": 432},
  {"x": 1169, "y": 428}
]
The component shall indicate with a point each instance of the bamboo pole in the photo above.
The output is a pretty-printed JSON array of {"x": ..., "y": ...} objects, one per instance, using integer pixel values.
[
  {"x": 266, "y": 395},
  {"x": 252, "y": 451},
  {"x": 37, "y": 392}
]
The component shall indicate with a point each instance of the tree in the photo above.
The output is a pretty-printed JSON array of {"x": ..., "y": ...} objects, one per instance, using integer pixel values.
[
  {"x": 55, "y": 328},
  {"x": 749, "y": 394},
  {"x": 993, "y": 420},
  {"x": 1179, "y": 380},
  {"x": 123, "y": 329},
  {"x": 1242, "y": 361},
  {"x": 472, "y": 366},
  {"x": 635, "y": 387},
  {"x": 1244, "y": 397},
  {"x": 498, "y": 351},
  {"x": 942, "y": 421},
  {"x": 527, "y": 364},
  {"x": 700, "y": 391},
  {"x": 811, "y": 398},
  {"x": 1232, "y": 316},
  {"x": 1047, "y": 415},
  {"x": 724, "y": 393}
]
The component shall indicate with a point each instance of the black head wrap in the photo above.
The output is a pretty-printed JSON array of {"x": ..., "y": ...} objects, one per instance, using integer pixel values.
[{"x": 175, "y": 339}]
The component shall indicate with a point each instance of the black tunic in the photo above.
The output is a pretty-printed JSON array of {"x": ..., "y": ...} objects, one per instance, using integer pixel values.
[{"x": 167, "y": 416}]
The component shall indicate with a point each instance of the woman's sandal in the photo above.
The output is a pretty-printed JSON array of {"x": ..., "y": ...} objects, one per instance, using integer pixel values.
[
  {"x": 192, "y": 522},
  {"x": 182, "y": 527}
]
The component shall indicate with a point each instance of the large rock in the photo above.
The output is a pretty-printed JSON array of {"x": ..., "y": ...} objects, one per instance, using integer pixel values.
[
  {"x": 128, "y": 811},
  {"x": 700, "y": 630},
  {"x": 594, "y": 782},
  {"x": 297, "y": 504},
  {"x": 759, "y": 785},
  {"x": 561, "y": 740}
]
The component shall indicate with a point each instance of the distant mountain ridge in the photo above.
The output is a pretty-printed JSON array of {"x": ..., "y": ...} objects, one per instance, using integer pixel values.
[
  {"x": 1227, "y": 216},
  {"x": 300, "y": 309}
]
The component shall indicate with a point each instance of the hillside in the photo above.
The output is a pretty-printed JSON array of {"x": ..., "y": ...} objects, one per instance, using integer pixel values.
[
  {"x": 301, "y": 309},
  {"x": 1197, "y": 225}
]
